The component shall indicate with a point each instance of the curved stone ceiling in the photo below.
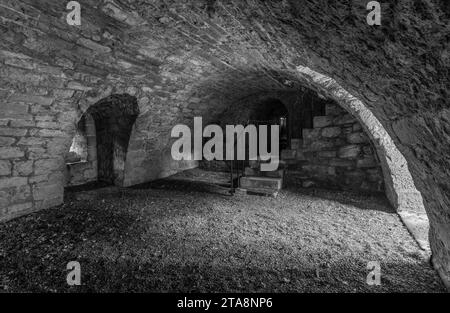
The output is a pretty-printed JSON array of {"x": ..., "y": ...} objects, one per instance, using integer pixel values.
[{"x": 183, "y": 59}]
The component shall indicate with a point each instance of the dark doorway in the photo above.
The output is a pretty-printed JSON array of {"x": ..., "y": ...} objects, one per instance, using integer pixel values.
[
  {"x": 273, "y": 112},
  {"x": 114, "y": 118}
]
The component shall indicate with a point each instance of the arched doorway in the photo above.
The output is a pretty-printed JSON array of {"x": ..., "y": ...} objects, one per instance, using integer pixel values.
[
  {"x": 398, "y": 182},
  {"x": 114, "y": 118},
  {"x": 272, "y": 112},
  {"x": 99, "y": 148}
]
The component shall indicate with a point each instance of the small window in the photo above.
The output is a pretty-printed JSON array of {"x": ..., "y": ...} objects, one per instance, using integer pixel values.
[{"x": 79, "y": 149}]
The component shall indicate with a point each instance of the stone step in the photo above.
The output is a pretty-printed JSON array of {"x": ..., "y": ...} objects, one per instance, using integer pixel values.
[
  {"x": 255, "y": 182},
  {"x": 255, "y": 172},
  {"x": 256, "y": 165},
  {"x": 258, "y": 191}
]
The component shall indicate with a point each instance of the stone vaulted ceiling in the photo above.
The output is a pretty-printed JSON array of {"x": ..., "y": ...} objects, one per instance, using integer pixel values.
[{"x": 182, "y": 59}]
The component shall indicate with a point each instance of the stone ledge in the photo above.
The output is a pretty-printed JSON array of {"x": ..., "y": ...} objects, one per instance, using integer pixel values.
[{"x": 418, "y": 226}]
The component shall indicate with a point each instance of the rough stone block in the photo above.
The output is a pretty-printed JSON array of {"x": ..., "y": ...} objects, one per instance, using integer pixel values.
[
  {"x": 322, "y": 145},
  {"x": 331, "y": 132},
  {"x": 7, "y": 141},
  {"x": 4, "y": 200},
  {"x": 93, "y": 46},
  {"x": 251, "y": 171},
  {"x": 327, "y": 154},
  {"x": 5, "y": 168},
  {"x": 300, "y": 155},
  {"x": 342, "y": 163},
  {"x": 42, "y": 117},
  {"x": 366, "y": 162},
  {"x": 367, "y": 150},
  {"x": 344, "y": 119},
  {"x": 47, "y": 165},
  {"x": 322, "y": 121},
  {"x": 308, "y": 184},
  {"x": 356, "y": 127},
  {"x": 374, "y": 175},
  {"x": 11, "y": 153},
  {"x": 347, "y": 129},
  {"x": 44, "y": 191},
  {"x": 89, "y": 174},
  {"x": 254, "y": 164},
  {"x": 22, "y": 63},
  {"x": 78, "y": 86},
  {"x": 12, "y": 132},
  {"x": 31, "y": 141},
  {"x": 49, "y": 125},
  {"x": 349, "y": 152},
  {"x": 296, "y": 143},
  {"x": 38, "y": 179},
  {"x": 310, "y": 134},
  {"x": 58, "y": 146},
  {"x": 20, "y": 123},
  {"x": 13, "y": 110},
  {"x": 49, "y": 202},
  {"x": 51, "y": 133},
  {"x": 355, "y": 176},
  {"x": 19, "y": 209},
  {"x": 333, "y": 109},
  {"x": 288, "y": 154},
  {"x": 12, "y": 182},
  {"x": 24, "y": 168},
  {"x": 357, "y": 138},
  {"x": 316, "y": 170},
  {"x": 21, "y": 194},
  {"x": 332, "y": 171},
  {"x": 46, "y": 101},
  {"x": 117, "y": 13},
  {"x": 63, "y": 93},
  {"x": 261, "y": 182},
  {"x": 36, "y": 152}
]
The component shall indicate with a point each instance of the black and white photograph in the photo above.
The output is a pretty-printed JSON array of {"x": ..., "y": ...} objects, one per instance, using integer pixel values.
[{"x": 219, "y": 153}]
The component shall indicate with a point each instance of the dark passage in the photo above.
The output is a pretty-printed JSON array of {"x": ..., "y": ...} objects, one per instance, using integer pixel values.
[
  {"x": 114, "y": 119},
  {"x": 273, "y": 112}
]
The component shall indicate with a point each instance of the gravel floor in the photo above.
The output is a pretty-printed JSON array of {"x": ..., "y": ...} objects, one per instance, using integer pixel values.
[{"x": 169, "y": 236}]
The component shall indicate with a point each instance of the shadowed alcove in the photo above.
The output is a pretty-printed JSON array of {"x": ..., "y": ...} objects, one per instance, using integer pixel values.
[{"x": 114, "y": 118}]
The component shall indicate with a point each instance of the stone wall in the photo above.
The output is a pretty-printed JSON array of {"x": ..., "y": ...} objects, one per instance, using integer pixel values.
[
  {"x": 182, "y": 59},
  {"x": 335, "y": 153},
  {"x": 214, "y": 166}
]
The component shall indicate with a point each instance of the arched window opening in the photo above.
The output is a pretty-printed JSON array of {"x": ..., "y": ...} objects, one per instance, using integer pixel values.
[
  {"x": 100, "y": 145},
  {"x": 79, "y": 149},
  {"x": 82, "y": 157}
]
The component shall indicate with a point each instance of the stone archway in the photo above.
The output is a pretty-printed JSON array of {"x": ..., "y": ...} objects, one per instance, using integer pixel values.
[
  {"x": 399, "y": 185},
  {"x": 114, "y": 118}
]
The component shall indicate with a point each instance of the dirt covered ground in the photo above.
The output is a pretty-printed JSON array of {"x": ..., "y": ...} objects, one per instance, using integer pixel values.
[{"x": 184, "y": 237}]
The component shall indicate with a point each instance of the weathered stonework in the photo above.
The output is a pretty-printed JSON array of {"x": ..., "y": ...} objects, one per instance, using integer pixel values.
[
  {"x": 184, "y": 59},
  {"x": 336, "y": 153}
]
